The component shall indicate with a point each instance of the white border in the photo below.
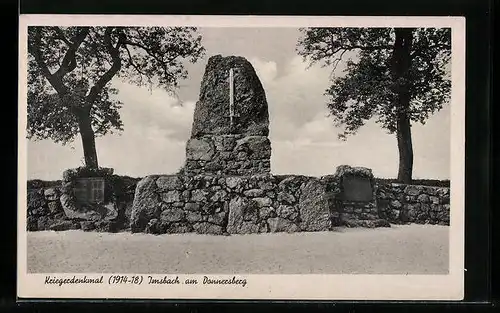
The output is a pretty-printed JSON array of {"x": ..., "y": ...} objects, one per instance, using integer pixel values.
[{"x": 303, "y": 287}]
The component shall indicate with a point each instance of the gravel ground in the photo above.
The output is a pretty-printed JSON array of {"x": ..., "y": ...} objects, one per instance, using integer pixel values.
[{"x": 413, "y": 249}]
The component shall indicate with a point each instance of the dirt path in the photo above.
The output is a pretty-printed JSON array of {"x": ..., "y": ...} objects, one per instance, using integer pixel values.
[{"x": 414, "y": 249}]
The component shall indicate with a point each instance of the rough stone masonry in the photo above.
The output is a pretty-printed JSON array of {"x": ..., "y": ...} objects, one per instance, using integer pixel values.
[
  {"x": 225, "y": 186},
  {"x": 224, "y": 139}
]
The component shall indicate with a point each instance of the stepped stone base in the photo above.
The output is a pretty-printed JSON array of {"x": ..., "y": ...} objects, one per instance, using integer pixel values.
[{"x": 228, "y": 155}]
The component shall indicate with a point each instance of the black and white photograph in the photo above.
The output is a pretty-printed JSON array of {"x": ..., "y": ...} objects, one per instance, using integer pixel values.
[{"x": 233, "y": 157}]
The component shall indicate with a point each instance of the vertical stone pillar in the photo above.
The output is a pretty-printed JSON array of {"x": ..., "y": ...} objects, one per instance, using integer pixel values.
[{"x": 218, "y": 146}]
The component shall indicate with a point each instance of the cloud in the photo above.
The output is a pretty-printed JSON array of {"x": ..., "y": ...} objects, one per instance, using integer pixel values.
[
  {"x": 154, "y": 109},
  {"x": 266, "y": 70},
  {"x": 297, "y": 104}
]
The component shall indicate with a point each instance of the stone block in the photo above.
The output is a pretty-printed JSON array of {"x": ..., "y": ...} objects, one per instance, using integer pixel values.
[
  {"x": 170, "y": 182},
  {"x": 51, "y": 194},
  {"x": 234, "y": 182},
  {"x": 147, "y": 204},
  {"x": 278, "y": 224},
  {"x": 313, "y": 206},
  {"x": 423, "y": 198},
  {"x": 217, "y": 218},
  {"x": 219, "y": 195},
  {"x": 207, "y": 228},
  {"x": 249, "y": 228},
  {"x": 200, "y": 149},
  {"x": 191, "y": 206},
  {"x": 263, "y": 202},
  {"x": 178, "y": 228},
  {"x": 253, "y": 193},
  {"x": 199, "y": 195},
  {"x": 241, "y": 210},
  {"x": 254, "y": 147},
  {"x": 267, "y": 212},
  {"x": 171, "y": 215},
  {"x": 411, "y": 190},
  {"x": 194, "y": 217},
  {"x": 287, "y": 212},
  {"x": 171, "y": 196},
  {"x": 286, "y": 198}
]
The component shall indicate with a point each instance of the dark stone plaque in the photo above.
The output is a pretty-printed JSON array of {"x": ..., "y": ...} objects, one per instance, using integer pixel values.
[
  {"x": 89, "y": 190},
  {"x": 357, "y": 189}
]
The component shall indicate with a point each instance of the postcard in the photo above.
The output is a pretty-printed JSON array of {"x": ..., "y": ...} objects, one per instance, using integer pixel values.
[{"x": 241, "y": 157}]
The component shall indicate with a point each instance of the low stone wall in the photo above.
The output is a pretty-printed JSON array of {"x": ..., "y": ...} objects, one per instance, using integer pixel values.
[
  {"x": 216, "y": 204},
  {"x": 400, "y": 204},
  {"x": 44, "y": 211},
  {"x": 212, "y": 204},
  {"x": 47, "y": 208}
]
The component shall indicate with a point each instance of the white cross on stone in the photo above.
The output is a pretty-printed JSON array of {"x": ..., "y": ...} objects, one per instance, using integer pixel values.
[{"x": 231, "y": 96}]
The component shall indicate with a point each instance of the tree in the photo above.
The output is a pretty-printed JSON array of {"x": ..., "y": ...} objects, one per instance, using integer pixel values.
[
  {"x": 69, "y": 70},
  {"x": 397, "y": 76}
]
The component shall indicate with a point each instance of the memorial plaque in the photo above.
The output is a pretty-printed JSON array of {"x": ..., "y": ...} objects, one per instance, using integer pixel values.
[
  {"x": 357, "y": 188},
  {"x": 89, "y": 190}
]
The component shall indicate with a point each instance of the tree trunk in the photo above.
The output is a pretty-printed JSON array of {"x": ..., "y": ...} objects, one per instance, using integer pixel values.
[
  {"x": 88, "y": 139},
  {"x": 401, "y": 66},
  {"x": 405, "y": 148}
]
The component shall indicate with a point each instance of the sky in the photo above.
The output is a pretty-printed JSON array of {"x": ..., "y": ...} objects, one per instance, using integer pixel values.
[{"x": 303, "y": 137}]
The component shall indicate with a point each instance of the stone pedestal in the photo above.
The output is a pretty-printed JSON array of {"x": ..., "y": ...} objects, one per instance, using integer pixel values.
[
  {"x": 228, "y": 155},
  {"x": 86, "y": 195},
  {"x": 356, "y": 197},
  {"x": 225, "y": 186},
  {"x": 230, "y": 122}
]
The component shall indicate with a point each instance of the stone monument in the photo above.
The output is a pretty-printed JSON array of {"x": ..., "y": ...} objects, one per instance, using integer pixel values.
[
  {"x": 225, "y": 186},
  {"x": 356, "y": 197},
  {"x": 88, "y": 196},
  {"x": 231, "y": 121}
]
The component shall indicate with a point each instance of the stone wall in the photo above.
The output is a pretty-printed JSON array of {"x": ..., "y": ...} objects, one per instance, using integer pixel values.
[
  {"x": 44, "y": 211},
  {"x": 244, "y": 204},
  {"x": 400, "y": 204},
  {"x": 228, "y": 154},
  {"x": 212, "y": 204},
  {"x": 49, "y": 208}
]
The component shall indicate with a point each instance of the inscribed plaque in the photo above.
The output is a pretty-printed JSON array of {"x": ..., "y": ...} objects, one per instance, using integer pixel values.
[
  {"x": 357, "y": 188},
  {"x": 89, "y": 190}
]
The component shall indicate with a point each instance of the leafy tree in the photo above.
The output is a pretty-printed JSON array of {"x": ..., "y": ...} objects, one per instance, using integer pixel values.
[
  {"x": 69, "y": 70},
  {"x": 398, "y": 77}
]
